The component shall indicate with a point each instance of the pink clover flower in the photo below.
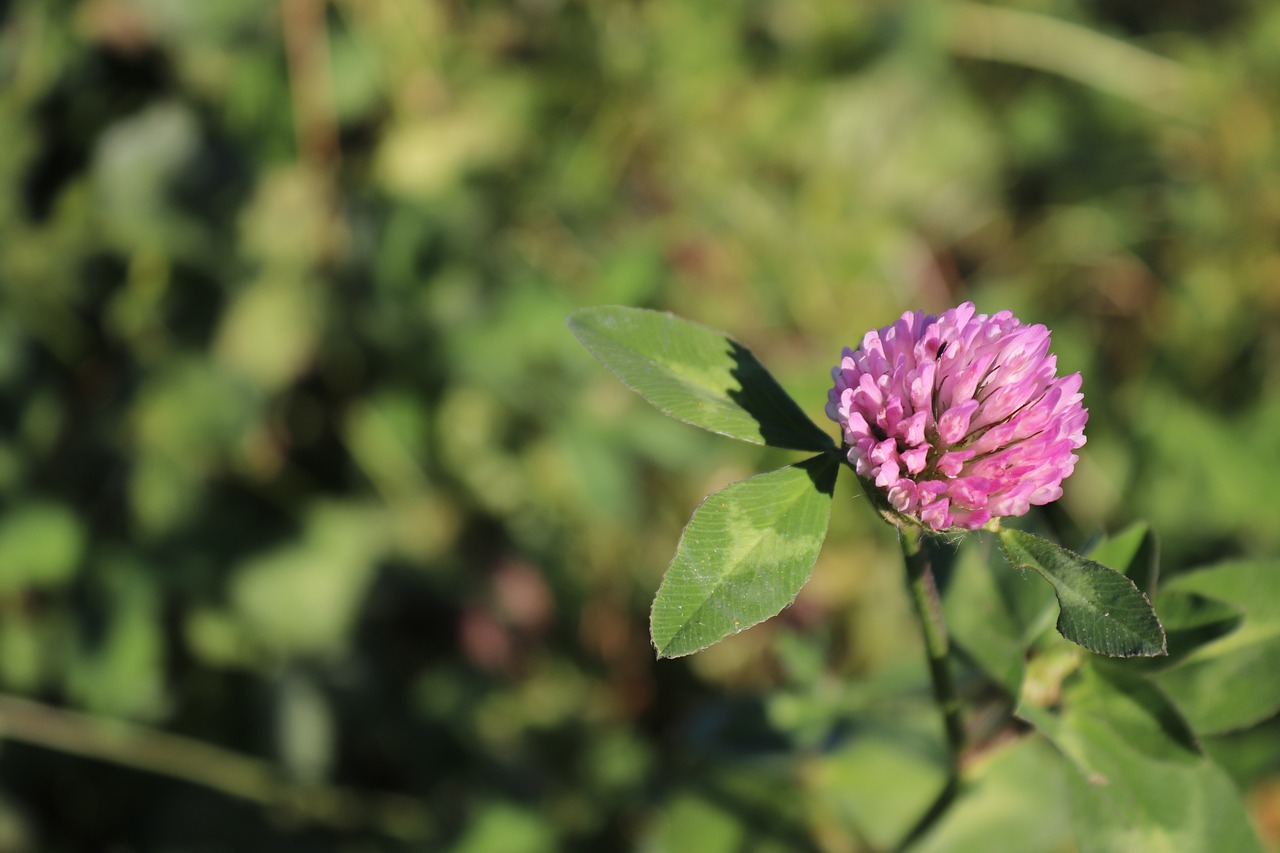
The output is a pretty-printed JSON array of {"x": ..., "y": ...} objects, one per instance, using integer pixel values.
[{"x": 959, "y": 418}]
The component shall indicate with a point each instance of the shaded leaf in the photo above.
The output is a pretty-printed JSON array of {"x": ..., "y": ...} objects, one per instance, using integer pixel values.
[
  {"x": 1019, "y": 791},
  {"x": 745, "y": 554},
  {"x": 1230, "y": 682},
  {"x": 882, "y": 779},
  {"x": 1191, "y": 620},
  {"x": 1143, "y": 783},
  {"x": 696, "y": 374},
  {"x": 1100, "y": 608}
]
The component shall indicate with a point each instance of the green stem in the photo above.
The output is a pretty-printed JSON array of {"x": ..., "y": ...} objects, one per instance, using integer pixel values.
[{"x": 924, "y": 594}]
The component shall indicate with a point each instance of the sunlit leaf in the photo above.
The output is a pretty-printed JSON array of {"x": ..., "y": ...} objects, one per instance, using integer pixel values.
[
  {"x": 745, "y": 554},
  {"x": 696, "y": 374},
  {"x": 40, "y": 546},
  {"x": 323, "y": 575},
  {"x": 504, "y": 828}
]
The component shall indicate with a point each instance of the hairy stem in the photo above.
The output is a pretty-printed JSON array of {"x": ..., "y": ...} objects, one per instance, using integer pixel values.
[{"x": 924, "y": 594}]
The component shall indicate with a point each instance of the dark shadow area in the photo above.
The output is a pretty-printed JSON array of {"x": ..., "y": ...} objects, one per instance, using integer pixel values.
[{"x": 782, "y": 423}]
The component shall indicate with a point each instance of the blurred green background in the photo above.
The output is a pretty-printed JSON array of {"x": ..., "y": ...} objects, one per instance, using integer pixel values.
[{"x": 319, "y": 531}]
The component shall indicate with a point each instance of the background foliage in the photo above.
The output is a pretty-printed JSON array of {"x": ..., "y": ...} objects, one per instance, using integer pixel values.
[{"x": 324, "y": 533}]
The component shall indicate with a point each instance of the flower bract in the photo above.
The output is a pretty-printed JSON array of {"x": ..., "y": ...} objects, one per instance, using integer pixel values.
[{"x": 958, "y": 418}]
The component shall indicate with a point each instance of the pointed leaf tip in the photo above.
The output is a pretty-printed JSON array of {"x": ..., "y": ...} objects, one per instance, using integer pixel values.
[{"x": 1099, "y": 608}]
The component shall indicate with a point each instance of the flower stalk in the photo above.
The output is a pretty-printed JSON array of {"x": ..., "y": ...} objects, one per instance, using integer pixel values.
[{"x": 928, "y": 607}]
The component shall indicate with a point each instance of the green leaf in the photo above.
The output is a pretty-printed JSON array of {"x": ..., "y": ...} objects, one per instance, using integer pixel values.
[
  {"x": 731, "y": 807},
  {"x": 1230, "y": 681},
  {"x": 40, "y": 546},
  {"x": 745, "y": 554},
  {"x": 994, "y": 616},
  {"x": 504, "y": 828},
  {"x": 1192, "y": 620},
  {"x": 690, "y": 821},
  {"x": 696, "y": 374},
  {"x": 1016, "y": 790},
  {"x": 1143, "y": 783},
  {"x": 1133, "y": 551},
  {"x": 325, "y": 575},
  {"x": 1099, "y": 608},
  {"x": 881, "y": 780}
]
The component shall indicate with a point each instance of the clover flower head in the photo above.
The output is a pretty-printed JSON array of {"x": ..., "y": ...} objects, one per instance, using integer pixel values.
[{"x": 959, "y": 418}]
